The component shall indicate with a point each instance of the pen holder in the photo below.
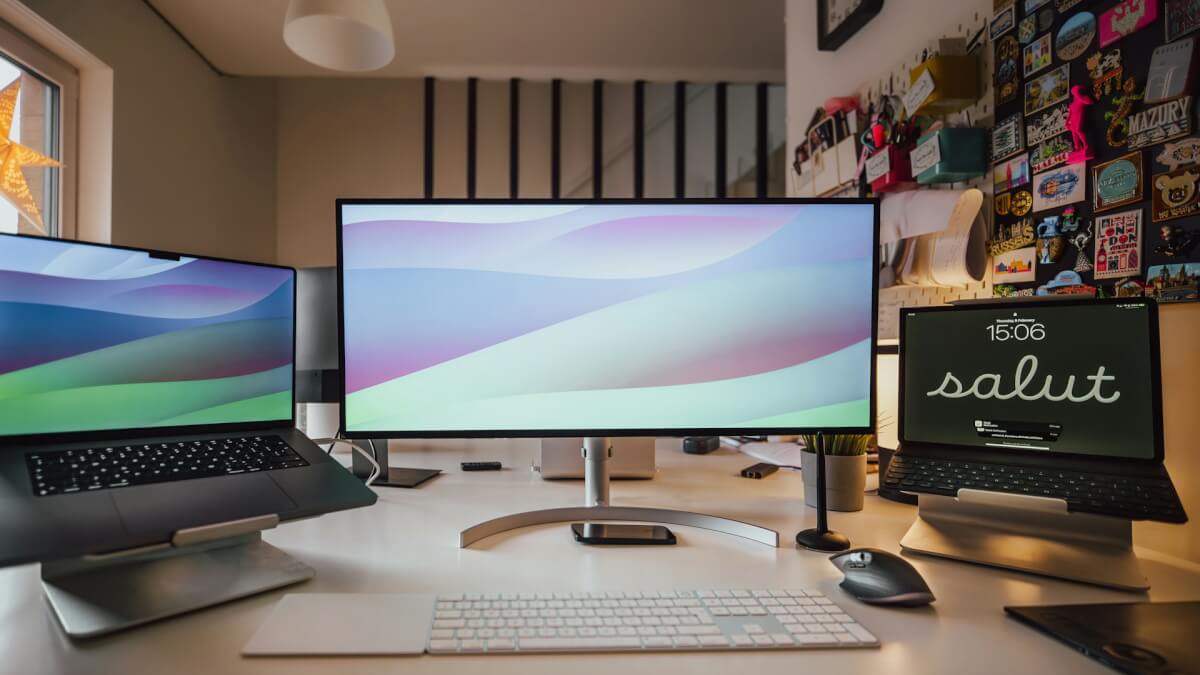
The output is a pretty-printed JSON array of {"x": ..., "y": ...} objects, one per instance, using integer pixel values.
[{"x": 888, "y": 170}]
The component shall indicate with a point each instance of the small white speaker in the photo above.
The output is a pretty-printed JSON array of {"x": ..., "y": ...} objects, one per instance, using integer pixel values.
[{"x": 562, "y": 458}]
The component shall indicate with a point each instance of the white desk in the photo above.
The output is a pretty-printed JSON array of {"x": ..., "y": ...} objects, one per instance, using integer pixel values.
[{"x": 408, "y": 542}]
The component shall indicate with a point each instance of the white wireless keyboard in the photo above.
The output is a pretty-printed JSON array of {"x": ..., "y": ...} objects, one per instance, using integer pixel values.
[{"x": 509, "y": 623}]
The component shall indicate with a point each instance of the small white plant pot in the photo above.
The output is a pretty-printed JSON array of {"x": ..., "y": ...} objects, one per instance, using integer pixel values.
[{"x": 845, "y": 481}]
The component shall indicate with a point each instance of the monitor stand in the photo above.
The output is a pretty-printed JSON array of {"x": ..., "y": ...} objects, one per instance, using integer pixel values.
[
  {"x": 97, "y": 595},
  {"x": 1028, "y": 534},
  {"x": 389, "y": 476},
  {"x": 596, "y": 453}
]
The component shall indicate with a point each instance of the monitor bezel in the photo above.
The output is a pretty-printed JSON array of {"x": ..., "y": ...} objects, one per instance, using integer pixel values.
[
  {"x": 140, "y": 432},
  {"x": 567, "y": 433},
  {"x": 1155, "y": 379}
]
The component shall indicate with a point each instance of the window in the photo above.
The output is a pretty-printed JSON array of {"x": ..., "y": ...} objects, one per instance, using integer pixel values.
[{"x": 43, "y": 122}]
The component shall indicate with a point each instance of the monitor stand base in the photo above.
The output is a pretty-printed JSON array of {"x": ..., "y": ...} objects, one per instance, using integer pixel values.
[
  {"x": 389, "y": 476},
  {"x": 596, "y": 451},
  {"x": 1027, "y": 534},
  {"x": 95, "y": 596},
  {"x": 617, "y": 513}
]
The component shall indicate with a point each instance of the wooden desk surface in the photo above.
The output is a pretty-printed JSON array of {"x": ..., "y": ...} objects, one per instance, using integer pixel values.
[{"x": 408, "y": 542}]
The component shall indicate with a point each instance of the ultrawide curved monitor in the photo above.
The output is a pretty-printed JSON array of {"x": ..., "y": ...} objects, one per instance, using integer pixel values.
[{"x": 606, "y": 318}]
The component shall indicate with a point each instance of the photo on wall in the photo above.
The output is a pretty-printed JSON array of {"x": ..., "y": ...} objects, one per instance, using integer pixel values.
[
  {"x": 1036, "y": 55},
  {"x": 1046, "y": 90},
  {"x": 1015, "y": 267},
  {"x": 1174, "y": 283},
  {"x": 1118, "y": 245}
]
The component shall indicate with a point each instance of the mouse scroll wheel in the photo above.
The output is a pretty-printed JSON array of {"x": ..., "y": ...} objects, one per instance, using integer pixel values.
[{"x": 861, "y": 559}]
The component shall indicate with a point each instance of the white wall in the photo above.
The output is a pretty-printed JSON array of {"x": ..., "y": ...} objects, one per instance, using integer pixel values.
[
  {"x": 193, "y": 165},
  {"x": 342, "y": 138}
]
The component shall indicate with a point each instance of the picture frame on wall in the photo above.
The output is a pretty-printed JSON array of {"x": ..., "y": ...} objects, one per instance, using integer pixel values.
[
  {"x": 1117, "y": 182},
  {"x": 839, "y": 20}
]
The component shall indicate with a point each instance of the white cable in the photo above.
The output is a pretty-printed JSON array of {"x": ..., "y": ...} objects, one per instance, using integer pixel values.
[{"x": 375, "y": 470}]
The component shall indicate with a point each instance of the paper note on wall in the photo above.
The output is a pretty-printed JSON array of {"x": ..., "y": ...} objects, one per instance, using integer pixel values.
[{"x": 945, "y": 237}]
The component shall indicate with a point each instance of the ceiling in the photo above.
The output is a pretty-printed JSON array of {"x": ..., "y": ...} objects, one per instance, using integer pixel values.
[{"x": 700, "y": 40}]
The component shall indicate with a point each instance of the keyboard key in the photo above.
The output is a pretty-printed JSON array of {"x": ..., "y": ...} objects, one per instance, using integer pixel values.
[
  {"x": 686, "y": 641},
  {"x": 859, "y": 632},
  {"x": 817, "y": 638},
  {"x": 658, "y": 642},
  {"x": 580, "y": 644}
]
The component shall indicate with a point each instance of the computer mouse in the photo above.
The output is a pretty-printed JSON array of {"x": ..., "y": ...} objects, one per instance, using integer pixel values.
[{"x": 880, "y": 578}]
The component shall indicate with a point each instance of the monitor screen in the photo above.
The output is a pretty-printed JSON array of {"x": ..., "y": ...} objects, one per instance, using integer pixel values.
[
  {"x": 1079, "y": 378},
  {"x": 606, "y": 318},
  {"x": 96, "y": 338}
]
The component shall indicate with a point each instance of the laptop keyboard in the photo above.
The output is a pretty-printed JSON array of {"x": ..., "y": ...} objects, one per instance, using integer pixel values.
[
  {"x": 65, "y": 471},
  {"x": 1135, "y": 497}
]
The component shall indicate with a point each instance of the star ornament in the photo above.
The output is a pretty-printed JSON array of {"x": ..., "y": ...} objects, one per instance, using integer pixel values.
[{"x": 14, "y": 156}]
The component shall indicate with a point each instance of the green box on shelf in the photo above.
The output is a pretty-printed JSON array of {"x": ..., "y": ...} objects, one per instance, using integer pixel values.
[{"x": 950, "y": 155}]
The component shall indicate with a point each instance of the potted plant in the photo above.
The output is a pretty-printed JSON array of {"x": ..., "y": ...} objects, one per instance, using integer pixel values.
[{"x": 845, "y": 470}]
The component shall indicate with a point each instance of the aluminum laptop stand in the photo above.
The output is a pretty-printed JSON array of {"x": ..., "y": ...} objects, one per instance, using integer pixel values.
[
  {"x": 1028, "y": 534},
  {"x": 596, "y": 453},
  {"x": 201, "y": 567}
]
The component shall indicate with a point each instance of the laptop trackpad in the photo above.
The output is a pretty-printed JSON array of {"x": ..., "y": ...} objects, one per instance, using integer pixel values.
[{"x": 164, "y": 508}]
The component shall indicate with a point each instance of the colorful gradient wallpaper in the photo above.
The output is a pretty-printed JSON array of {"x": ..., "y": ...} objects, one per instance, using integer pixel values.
[
  {"x": 97, "y": 338},
  {"x": 507, "y": 317}
]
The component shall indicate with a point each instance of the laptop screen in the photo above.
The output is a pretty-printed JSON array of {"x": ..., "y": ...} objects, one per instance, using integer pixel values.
[
  {"x": 1079, "y": 378},
  {"x": 94, "y": 338}
]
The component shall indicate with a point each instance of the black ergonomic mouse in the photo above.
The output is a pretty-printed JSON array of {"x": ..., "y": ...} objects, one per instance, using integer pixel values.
[{"x": 880, "y": 578}]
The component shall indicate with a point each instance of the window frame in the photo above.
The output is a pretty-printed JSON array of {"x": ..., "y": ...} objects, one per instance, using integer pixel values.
[{"x": 28, "y": 54}]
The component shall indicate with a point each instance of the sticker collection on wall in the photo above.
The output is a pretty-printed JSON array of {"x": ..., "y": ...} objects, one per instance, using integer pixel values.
[{"x": 1096, "y": 148}]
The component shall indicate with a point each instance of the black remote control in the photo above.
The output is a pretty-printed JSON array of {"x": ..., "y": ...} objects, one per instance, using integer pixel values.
[{"x": 481, "y": 466}]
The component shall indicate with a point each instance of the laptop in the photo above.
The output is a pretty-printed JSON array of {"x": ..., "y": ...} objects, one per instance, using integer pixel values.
[
  {"x": 1059, "y": 400},
  {"x": 145, "y": 393}
]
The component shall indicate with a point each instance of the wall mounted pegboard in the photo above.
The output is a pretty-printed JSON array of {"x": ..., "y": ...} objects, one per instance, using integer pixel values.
[
  {"x": 1128, "y": 70},
  {"x": 971, "y": 27}
]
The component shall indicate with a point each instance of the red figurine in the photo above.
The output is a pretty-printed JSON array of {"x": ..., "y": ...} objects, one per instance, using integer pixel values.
[{"x": 1076, "y": 116}]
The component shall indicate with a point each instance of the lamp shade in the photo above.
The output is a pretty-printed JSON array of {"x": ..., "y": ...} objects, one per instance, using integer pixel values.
[{"x": 345, "y": 35}]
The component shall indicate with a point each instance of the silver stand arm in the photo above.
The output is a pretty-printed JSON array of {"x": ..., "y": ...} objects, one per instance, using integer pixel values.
[
  {"x": 201, "y": 567},
  {"x": 596, "y": 452}
]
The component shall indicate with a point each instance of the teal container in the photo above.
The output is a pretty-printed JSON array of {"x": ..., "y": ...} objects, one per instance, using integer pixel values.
[{"x": 963, "y": 155}]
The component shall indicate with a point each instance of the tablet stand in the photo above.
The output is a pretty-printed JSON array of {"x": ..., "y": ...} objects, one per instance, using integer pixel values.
[
  {"x": 596, "y": 452},
  {"x": 200, "y": 567},
  {"x": 1028, "y": 534}
]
